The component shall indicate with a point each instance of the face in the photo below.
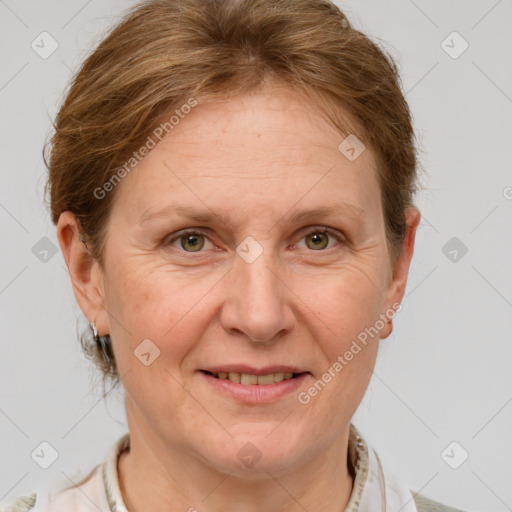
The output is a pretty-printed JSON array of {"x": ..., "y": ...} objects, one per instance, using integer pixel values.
[{"x": 215, "y": 266}]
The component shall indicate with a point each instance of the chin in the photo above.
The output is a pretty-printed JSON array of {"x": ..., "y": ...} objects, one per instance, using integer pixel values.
[{"x": 253, "y": 455}]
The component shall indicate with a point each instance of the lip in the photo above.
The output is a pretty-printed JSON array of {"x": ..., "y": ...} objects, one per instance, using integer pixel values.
[
  {"x": 244, "y": 368},
  {"x": 255, "y": 393}
]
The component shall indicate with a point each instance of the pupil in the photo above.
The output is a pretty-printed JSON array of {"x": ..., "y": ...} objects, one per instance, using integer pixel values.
[
  {"x": 192, "y": 241},
  {"x": 316, "y": 238}
]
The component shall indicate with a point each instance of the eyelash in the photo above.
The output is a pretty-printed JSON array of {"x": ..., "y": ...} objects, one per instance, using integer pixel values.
[{"x": 191, "y": 231}]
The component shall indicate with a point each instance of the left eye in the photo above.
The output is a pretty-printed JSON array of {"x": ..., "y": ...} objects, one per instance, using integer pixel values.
[
  {"x": 319, "y": 238},
  {"x": 193, "y": 240}
]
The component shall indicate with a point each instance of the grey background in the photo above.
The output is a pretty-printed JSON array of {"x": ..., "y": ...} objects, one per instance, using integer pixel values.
[{"x": 444, "y": 375}]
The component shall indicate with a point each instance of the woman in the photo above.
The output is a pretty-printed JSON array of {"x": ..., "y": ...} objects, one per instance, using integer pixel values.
[{"x": 232, "y": 184}]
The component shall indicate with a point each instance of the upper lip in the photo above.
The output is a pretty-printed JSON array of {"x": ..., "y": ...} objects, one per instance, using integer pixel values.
[{"x": 245, "y": 368}]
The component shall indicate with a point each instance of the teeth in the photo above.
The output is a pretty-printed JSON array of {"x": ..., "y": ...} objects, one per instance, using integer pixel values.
[
  {"x": 234, "y": 377},
  {"x": 265, "y": 380},
  {"x": 248, "y": 379}
]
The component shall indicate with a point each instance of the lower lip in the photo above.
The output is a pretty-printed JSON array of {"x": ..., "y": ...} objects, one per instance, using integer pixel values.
[{"x": 255, "y": 393}]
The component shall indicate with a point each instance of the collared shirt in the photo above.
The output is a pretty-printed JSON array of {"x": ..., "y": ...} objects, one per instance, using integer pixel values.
[{"x": 374, "y": 489}]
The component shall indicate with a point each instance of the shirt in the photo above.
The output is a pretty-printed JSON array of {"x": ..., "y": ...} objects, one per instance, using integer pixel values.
[{"x": 375, "y": 488}]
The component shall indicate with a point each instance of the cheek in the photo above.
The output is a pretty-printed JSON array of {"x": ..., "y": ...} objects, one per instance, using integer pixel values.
[
  {"x": 345, "y": 303},
  {"x": 164, "y": 306},
  {"x": 345, "y": 310}
]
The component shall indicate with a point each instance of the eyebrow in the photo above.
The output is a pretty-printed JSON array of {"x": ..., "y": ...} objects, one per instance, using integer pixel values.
[{"x": 347, "y": 209}]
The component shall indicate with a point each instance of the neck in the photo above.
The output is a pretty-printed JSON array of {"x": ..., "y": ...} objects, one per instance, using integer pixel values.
[
  {"x": 161, "y": 476},
  {"x": 158, "y": 477}
]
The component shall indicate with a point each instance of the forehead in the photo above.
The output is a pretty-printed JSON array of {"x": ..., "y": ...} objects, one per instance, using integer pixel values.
[{"x": 250, "y": 150}]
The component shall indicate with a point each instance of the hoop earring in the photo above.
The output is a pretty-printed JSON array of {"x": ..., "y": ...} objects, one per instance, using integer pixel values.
[{"x": 103, "y": 342}]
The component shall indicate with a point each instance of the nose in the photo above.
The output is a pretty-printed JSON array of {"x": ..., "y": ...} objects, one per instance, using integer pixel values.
[{"x": 257, "y": 304}]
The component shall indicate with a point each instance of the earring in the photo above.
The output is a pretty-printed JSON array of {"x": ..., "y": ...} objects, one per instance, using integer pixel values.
[
  {"x": 390, "y": 322},
  {"x": 103, "y": 342}
]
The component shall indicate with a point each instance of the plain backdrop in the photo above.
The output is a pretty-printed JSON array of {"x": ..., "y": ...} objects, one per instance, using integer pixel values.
[{"x": 442, "y": 386}]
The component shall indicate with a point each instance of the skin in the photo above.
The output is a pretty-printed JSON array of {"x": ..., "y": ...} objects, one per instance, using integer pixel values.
[{"x": 254, "y": 160}]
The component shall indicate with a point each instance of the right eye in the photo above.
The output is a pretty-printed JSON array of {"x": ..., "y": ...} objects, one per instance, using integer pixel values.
[{"x": 190, "y": 240}]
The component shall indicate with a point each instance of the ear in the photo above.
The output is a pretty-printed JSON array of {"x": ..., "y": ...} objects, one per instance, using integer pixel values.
[
  {"x": 85, "y": 272},
  {"x": 396, "y": 287}
]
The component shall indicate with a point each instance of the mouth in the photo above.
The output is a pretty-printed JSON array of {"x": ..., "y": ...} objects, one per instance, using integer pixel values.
[
  {"x": 254, "y": 386},
  {"x": 252, "y": 379}
]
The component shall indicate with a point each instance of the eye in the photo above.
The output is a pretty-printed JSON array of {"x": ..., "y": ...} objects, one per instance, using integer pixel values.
[
  {"x": 318, "y": 238},
  {"x": 190, "y": 240}
]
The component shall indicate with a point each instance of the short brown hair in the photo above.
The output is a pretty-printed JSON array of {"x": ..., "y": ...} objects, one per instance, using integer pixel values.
[{"x": 164, "y": 52}]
